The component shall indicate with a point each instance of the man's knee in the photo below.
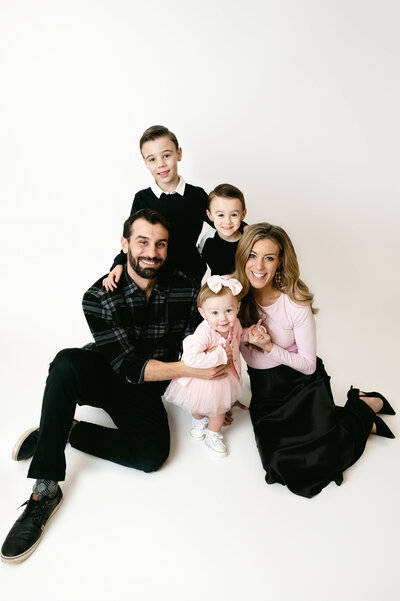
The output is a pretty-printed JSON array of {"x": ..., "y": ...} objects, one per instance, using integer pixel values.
[
  {"x": 155, "y": 460},
  {"x": 150, "y": 456},
  {"x": 65, "y": 361}
]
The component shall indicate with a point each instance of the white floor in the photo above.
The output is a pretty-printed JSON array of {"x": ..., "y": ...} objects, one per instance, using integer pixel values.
[
  {"x": 296, "y": 103},
  {"x": 203, "y": 527}
]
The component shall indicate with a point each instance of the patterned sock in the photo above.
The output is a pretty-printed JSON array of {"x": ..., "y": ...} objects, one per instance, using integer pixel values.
[{"x": 45, "y": 488}]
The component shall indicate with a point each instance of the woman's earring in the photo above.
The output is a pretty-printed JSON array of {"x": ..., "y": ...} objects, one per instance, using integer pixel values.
[{"x": 278, "y": 278}]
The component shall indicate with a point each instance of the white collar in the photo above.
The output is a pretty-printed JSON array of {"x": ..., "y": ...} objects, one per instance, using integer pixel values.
[{"x": 180, "y": 188}]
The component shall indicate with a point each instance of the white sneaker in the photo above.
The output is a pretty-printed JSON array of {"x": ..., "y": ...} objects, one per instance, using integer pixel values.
[
  {"x": 215, "y": 444},
  {"x": 199, "y": 427}
]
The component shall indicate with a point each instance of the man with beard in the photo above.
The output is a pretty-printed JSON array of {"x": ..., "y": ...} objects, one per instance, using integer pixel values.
[{"x": 138, "y": 330}]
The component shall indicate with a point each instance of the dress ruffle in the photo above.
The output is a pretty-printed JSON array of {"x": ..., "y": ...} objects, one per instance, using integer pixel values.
[{"x": 206, "y": 397}]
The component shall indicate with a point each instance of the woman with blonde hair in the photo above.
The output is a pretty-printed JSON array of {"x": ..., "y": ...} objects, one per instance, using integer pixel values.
[{"x": 305, "y": 441}]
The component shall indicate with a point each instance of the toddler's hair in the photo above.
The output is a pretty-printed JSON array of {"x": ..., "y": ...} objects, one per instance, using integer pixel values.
[
  {"x": 226, "y": 191},
  {"x": 205, "y": 293},
  {"x": 157, "y": 131}
]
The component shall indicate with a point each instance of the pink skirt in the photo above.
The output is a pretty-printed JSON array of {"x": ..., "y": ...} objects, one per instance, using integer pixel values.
[{"x": 206, "y": 397}]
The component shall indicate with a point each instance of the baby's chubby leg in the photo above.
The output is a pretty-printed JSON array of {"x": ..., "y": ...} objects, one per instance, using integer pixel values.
[
  {"x": 216, "y": 422},
  {"x": 197, "y": 416}
]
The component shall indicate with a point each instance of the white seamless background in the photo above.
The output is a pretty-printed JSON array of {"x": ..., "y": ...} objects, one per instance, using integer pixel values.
[{"x": 297, "y": 104}]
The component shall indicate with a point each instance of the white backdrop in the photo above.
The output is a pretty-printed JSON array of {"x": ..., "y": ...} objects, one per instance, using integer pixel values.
[{"x": 295, "y": 102}]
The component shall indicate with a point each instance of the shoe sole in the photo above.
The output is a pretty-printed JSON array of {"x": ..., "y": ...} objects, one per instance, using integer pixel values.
[
  {"x": 18, "y": 444},
  {"x": 217, "y": 453},
  {"x": 28, "y": 552},
  {"x": 202, "y": 437}
]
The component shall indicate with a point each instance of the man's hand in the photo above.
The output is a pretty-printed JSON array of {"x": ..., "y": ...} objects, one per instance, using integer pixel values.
[
  {"x": 111, "y": 281},
  {"x": 159, "y": 370},
  {"x": 209, "y": 373}
]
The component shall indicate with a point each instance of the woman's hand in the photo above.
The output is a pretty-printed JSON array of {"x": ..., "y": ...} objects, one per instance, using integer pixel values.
[
  {"x": 228, "y": 419},
  {"x": 259, "y": 336},
  {"x": 111, "y": 281},
  {"x": 240, "y": 405}
]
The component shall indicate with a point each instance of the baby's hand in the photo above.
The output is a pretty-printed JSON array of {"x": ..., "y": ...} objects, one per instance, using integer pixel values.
[
  {"x": 257, "y": 331},
  {"x": 110, "y": 282},
  {"x": 259, "y": 336}
]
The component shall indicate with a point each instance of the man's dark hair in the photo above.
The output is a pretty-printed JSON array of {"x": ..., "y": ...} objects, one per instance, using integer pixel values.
[
  {"x": 157, "y": 131},
  {"x": 151, "y": 216}
]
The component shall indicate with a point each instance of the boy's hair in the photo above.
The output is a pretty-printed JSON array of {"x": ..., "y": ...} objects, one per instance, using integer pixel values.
[
  {"x": 157, "y": 131},
  {"x": 151, "y": 216},
  {"x": 226, "y": 191},
  {"x": 205, "y": 293}
]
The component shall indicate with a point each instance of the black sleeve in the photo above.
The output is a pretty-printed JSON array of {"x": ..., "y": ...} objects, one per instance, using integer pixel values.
[
  {"x": 137, "y": 203},
  {"x": 205, "y": 252},
  {"x": 120, "y": 259},
  {"x": 204, "y": 198}
]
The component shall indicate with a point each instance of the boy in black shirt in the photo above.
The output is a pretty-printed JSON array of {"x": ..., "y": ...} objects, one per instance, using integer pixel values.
[
  {"x": 226, "y": 209},
  {"x": 182, "y": 204}
]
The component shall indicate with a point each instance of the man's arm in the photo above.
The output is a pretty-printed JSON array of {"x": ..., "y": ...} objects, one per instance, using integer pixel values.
[
  {"x": 112, "y": 338},
  {"x": 158, "y": 370},
  {"x": 116, "y": 343}
]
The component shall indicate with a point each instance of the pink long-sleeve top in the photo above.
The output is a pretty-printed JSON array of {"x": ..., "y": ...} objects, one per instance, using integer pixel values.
[
  {"x": 204, "y": 337},
  {"x": 292, "y": 330}
]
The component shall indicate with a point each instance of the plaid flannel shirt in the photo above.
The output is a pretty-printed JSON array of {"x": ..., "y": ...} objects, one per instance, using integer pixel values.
[{"x": 129, "y": 330}]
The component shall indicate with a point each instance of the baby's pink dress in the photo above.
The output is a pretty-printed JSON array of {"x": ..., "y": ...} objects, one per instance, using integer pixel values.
[{"x": 208, "y": 397}]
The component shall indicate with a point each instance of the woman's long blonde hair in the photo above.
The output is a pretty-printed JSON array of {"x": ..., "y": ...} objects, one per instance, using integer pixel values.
[{"x": 290, "y": 282}]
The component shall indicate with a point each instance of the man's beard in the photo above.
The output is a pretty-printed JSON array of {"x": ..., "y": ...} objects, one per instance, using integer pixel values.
[{"x": 148, "y": 273}]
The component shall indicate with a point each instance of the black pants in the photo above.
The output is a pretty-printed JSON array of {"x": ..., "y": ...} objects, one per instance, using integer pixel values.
[
  {"x": 305, "y": 441},
  {"x": 84, "y": 377}
]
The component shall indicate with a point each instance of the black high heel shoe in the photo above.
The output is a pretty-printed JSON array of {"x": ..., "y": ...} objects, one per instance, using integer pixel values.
[
  {"x": 382, "y": 429},
  {"x": 387, "y": 409}
]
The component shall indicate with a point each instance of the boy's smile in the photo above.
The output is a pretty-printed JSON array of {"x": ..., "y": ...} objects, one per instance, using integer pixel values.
[
  {"x": 161, "y": 158},
  {"x": 226, "y": 214}
]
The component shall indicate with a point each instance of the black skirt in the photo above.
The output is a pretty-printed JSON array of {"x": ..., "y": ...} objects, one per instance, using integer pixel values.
[{"x": 305, "y": 441}]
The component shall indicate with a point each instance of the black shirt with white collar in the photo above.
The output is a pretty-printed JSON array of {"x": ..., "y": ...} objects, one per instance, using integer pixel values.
[{"x": 185, "y": 210}]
